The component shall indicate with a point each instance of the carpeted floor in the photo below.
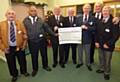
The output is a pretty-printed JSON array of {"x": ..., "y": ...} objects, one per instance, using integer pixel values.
[{"x": 68, "y": 74}]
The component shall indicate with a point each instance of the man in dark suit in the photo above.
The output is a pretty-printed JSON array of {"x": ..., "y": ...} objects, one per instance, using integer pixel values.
[
  {"x": 13, "y": 41},
  {"x": 105, "y": 37},
  {"x": 36, "y": 29},
  {"x": 86, "y": 22},
  {"x": 57, "y": 21},
  {"x": 98, "y": 15},
  {"x": 70, "y": 21}
]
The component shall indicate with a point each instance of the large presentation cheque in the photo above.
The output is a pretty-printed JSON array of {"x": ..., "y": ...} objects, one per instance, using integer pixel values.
[{"x": 71, "y": 35}]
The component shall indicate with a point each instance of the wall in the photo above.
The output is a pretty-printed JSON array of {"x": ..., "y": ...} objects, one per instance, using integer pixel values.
[
  {"x": 52, "y": 3},
  {"x": 3, "y": 8},
  {"x": 38, "y": 1}
]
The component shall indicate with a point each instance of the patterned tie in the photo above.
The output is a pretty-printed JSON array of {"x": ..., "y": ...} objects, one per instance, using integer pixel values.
[{"x": 12, "y": 32}]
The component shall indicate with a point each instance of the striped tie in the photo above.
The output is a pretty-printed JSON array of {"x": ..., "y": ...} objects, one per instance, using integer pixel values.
[{"x": 12, "y": 32}]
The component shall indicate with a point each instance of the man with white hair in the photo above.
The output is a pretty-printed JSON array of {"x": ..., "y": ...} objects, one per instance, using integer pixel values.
[
  {"x": 98, "y": 15},
  {"x": 13, "y": 41},
  {"x": 70, "y": 21},
  {"x": 105, "y": 37},
  {"x": 87, "y": 23},
  {"x": 57, "y": 21}
]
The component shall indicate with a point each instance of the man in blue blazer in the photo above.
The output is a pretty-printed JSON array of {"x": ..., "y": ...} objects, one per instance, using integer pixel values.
[{"x": 86, "y": 22}]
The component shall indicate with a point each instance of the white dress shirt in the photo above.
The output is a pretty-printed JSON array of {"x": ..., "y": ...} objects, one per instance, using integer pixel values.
[
  {"x": 57, "y": 17},
  {"x": 31, "y": 18},
  {"x": 84, "y": 17},
  {"x": 98, "y": 14},
  {"x": 10, "y": 42}
]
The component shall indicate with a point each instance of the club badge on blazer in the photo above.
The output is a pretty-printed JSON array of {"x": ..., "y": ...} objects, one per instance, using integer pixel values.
[
  {"x": 74, "y": 25},
  {"x": 107, "y": 30}
]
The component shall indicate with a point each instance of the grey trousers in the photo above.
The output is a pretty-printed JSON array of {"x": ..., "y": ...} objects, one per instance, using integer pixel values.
[
  {"x": 86, "y": 48},
  {"x": 105, "y": 60}
]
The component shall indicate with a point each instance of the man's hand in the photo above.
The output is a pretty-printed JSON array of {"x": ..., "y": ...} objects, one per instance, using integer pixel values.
[
  {"x": 105, "y": 46},
  {"x": 116, "y": 20},
  {"x": 7, "y": 51},
  {"x": 55, "y": 28},
  {"x": 84, "y": 27},
  {"x": 56, "y": 34}
]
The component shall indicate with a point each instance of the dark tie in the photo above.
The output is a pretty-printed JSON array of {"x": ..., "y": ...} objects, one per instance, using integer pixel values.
[
  {"x": 71, "y": 20},
  {"x": 103, "y": 20},
  {"x": 57, "y": 20},
  {"x": 98, "y": 16},
  {"x": 12, "y": 32},
  {"x": 33, "y": 20},
  {"x": 85, "y": 19}
]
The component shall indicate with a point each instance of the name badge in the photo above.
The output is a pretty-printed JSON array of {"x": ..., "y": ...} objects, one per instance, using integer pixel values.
[
  {"x": 91, "y": 23},
  {"x": 41, "y": 35},
  {"x": 19, "y": 32},
  {"x": 61, "y": 24},
  {"x": 107, "y": 30},
  {"x": 74, "y": 24}
]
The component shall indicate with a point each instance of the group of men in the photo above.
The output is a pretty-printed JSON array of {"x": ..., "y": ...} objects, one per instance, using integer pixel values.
[{"x": 99, "y": 29}]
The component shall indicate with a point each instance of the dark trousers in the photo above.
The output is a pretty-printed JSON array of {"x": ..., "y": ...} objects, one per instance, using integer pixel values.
[
  {"x": 11, "y": 61},
  {"x": 34, "y": 48},
  {"x": 67, "y": 49},
  {"x": 56, "y": 47},
  {"x": 92, "y": 50}
]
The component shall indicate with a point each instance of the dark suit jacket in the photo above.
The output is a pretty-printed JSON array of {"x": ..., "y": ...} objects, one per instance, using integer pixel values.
[
  {"x": 87, "y": 34},
  {"x": 106, "y": 33},
  {"x": 68, "y": 23},
  {"x": 37, "y": 31},
  {"x": 52, "y": 22}
]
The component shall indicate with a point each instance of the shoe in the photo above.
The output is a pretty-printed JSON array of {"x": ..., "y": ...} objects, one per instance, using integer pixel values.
[
  {"x": 26, "y": 74},
  {"x": 34, "y": 73},
  {"x": 79, "y": 65},
  {"x": 54, "y": 65},
  {"x": 106, "y": 76},
  {"x": 62, "y": 65},
  {"x": 47, "y": 68},
  {"x": 92, "y": 61},
  {"x": 14, "y": 79},
  {"x": 89, "y": 68},
  {"x": 99, "y": 71}
]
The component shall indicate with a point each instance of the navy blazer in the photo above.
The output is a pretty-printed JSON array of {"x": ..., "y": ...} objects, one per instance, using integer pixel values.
[
  {"x": 106, "y": 33},
  {"x": 87, "y": 34}
]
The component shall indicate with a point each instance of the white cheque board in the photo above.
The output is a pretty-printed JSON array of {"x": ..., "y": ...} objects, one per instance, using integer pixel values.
[{"x": 71, "y": 35}]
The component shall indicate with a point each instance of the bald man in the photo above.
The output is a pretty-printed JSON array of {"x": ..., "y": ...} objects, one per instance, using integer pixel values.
[
  {"x": 13, "y": 40},
  {"x": 105, "y": 38},
  {"x": 36, "y": 29},
  {"x": 70, "y": 21}
]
